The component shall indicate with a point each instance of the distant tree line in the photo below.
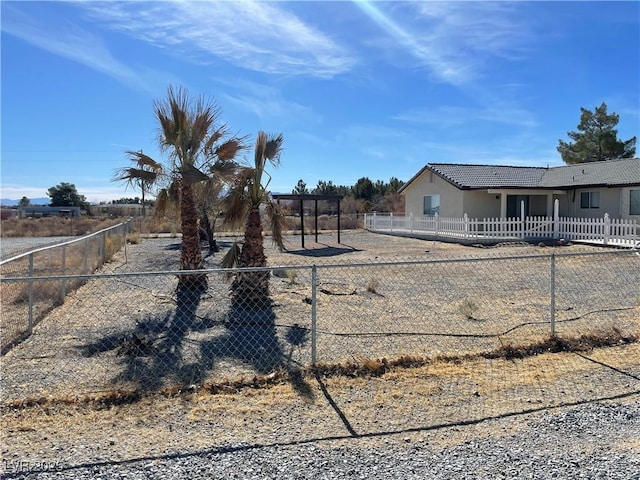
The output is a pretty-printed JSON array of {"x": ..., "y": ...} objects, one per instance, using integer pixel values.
[{"x": 364, "y": 196}]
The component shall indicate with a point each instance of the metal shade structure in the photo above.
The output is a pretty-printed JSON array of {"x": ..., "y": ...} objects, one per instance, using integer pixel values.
[{"x": 306, "y": 197}]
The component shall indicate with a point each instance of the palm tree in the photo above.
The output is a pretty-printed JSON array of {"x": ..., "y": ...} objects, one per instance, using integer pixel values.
[
  {"x": 144, "y": 175},
  {"x": 209, "y": 196},
  {"x": 196, "y": 144},
  {"x": 243, "y": 203}
]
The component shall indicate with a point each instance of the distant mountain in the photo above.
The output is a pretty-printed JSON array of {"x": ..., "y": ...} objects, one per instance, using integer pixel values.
[{"x": 7, "y": 202}]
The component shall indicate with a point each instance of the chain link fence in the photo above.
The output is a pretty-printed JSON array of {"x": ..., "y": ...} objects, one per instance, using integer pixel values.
[
  {"x": 123, "y": 331},
  {"x": 26, "y": 302}
]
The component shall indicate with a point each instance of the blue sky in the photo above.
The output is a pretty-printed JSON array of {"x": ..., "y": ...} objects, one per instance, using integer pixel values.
[{"x": 358, "y": 88}]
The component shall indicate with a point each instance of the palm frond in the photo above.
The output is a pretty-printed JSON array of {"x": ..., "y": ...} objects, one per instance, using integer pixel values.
[
  {"x": 224, "y": 170},
  {"x": 167, "y": 137},
  {"x": 229, "y": 149},
  {"x": 162, "y": 203},
  {"x": 213, "y": 138},
  {"x": 178, "y": 106},
  {"x": 185, "y": 126},
  {"x": 191, "y": 174},
  {"x": 259, "y": 150},
  {"x": 236, "y": 205},
  {"x": 277, "y": 223},
  {"x": 145, "y": 161},
  {"x": 201, "y": 124},
  {"x": 273, "y": 149},
  {"x": 208, "y": 194},
  {"x": 132, "y": 175},
  {"x": 232, "y": 257}
]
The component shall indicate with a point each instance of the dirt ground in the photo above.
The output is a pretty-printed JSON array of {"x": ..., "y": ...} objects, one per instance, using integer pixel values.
[
  {"x": 430, "y": 404},
  {"x": 442, "y": 403},
  {"x": 124, "y": 331}
]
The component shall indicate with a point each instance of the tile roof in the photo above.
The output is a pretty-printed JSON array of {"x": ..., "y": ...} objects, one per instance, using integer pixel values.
[
  {"x": 488, "y": 176},
  {"x": 610, "y": 173},
  {"x": 470, "y": 177}
]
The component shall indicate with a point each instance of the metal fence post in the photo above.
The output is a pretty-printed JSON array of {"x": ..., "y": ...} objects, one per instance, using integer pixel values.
[
  {"x": 85, "y": 260},
  {"x": 314, "y": 332},
  {"x": 553, "y": 294},
  {"x": 30, "y": 329},
  {"x": 101, "y": 254},
  {"x": 63, "y": 288},
  {"x": 125, "y": 244}
]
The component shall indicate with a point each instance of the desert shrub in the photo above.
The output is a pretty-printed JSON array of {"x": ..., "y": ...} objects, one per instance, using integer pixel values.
[
  {"x": 372, "y": 286},
  {"x": 291, "y": 275},
  {"x": 112, "y": 244},
  {"x": 468, "y": 308},
  {"x": 324, "y": 222},
  {"x": 134, "y": 238},
  {"x": 350, "y": 222}
]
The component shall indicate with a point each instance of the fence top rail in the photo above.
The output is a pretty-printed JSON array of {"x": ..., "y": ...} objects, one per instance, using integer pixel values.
[
  {"x": 318, "y": 266},
  {"x": 68, "y": 242}
]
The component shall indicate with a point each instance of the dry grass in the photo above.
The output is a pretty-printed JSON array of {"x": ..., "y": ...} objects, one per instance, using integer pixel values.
[
  {"x": 54, "y": 226},
  {"x": 364, "y": 368},
  {"x": 404, "y": 400},
  {"x": 73, "y": 262},
  {"x": 134, "y": 238}
]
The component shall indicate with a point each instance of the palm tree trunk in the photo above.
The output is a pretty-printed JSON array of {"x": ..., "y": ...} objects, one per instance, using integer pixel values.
[
  {"x": 253, "y": 249},
  {"x": 252, "y": 288},
  {"x": 205, "y": 224},
  {"x": 190, "y": 254}
]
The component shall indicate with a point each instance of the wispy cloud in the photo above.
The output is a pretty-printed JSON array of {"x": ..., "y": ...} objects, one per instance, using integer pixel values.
[
  {"x": 253, "y": 35},
  {"x": 267, "y": 103},
  {"x": 72, "y": 42},
  {"x": 452, "y": 39},
  {"x": 451, "y": 116}
]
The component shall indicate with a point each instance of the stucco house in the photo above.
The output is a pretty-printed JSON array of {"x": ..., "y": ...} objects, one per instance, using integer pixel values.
[{"x": 587, "y": 190}]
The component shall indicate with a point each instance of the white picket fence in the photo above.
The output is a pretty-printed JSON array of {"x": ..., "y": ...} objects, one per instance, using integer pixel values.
[{"x": 605, "y": 231}]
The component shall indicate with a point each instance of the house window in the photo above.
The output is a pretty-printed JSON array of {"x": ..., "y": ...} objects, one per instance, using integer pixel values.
[
  {"x": 590, "y": 200},
  {"x": 431, "y": 205},
  {"x": 634, "y": 202}
]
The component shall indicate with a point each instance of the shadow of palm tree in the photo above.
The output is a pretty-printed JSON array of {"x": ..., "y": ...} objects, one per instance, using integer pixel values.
[
  {"x": 250, "y": 337},
  {"x": 152, "y": 352},
  {"x": 165, "y": 363},
  {"x": 159, "y": 352}
]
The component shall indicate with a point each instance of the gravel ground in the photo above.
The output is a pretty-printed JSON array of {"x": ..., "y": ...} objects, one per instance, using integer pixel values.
[{"x": 595, "y": 441}]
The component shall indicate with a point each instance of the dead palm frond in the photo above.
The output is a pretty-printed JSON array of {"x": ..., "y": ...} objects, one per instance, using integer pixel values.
[
  {"x": 133, "y": 176},
  {"x": 277, "y": 223},
  {"x": 232, "y": 257},
  {"x": 191, "y": 175},
  {"x": 229, "y": 149},
  {"x": 146, "y": 172}
]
